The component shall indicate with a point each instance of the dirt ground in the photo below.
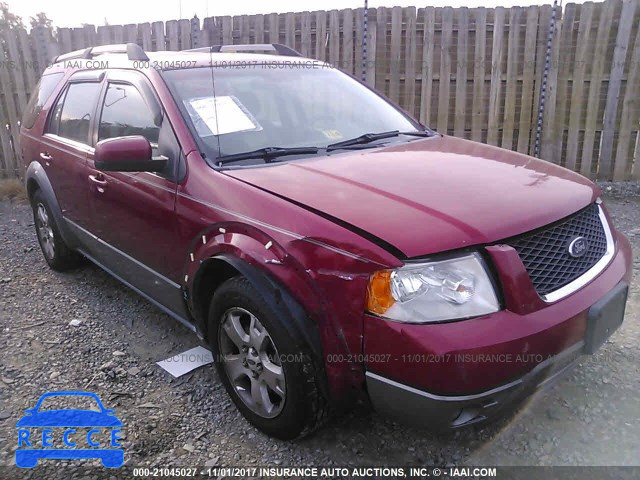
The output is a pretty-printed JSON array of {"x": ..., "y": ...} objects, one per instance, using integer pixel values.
[{"x": 592, "y": 417}]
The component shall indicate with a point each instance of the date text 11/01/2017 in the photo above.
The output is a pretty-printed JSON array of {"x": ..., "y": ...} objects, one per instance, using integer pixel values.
[{"x": 326, "y": 472}]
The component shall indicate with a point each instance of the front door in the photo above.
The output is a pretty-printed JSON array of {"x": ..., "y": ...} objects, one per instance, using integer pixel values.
[{"x": 133, "y": 214}]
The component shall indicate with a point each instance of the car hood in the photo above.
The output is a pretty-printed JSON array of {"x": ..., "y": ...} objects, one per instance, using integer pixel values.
[
  {"x": 69, "y": 418},
  {"x": 430, "y": 195}
]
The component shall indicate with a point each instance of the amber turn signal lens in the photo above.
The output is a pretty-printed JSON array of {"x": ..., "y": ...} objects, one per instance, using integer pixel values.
[{"x": 379, "y": 298}]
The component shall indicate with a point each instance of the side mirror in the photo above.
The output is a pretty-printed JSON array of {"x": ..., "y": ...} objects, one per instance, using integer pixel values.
[{"x": 127, "y": 154}]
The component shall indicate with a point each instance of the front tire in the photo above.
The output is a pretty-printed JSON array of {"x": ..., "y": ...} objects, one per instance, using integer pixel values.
[
  {"x": 56, "y": 252},
  {"x": 267, "y": 371}
]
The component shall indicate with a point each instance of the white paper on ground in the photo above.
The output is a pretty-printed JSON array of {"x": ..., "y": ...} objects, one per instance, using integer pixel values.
[
  {"x": 184, "y": 362},
  {"x": 222, "y": 115}
]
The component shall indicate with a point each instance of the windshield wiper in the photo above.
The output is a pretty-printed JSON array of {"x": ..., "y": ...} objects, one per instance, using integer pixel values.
[
  {"x": 267, "y": 154},
  {"x": 372, "y": 137}
]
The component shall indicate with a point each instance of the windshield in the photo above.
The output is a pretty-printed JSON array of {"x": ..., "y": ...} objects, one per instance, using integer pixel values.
[{"x": 238, "y": 110}]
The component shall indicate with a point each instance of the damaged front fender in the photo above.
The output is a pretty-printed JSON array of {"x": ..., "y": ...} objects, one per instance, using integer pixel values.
[{"x": 298, "y": 293}]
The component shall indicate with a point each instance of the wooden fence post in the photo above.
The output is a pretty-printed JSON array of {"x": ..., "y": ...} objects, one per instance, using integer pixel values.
[
  {"x": 184, "y": 29},
  {"x": 347, "y": 47},
  {"x": 528, "y": 81},
  {"x": 40, "y": 35},
  {"x": 382, "y": 59},
  {"x": 578, "y": 84},
  {"x": 145, "y": 36},
  {"x": 478, "y": 106},
  {"x": 513, "y": 50},
  {"x": 550, "y": 133},
  {"x": 158, "y": 37},
  {"x": 462, "y": 68},
  {"x": 565, "y": 37},
  {"x": 494, "y": 123},
  {"x": 602, "y": 46},
  {"x": 371, "y": 49},
  {"x": 173, "y": 39},
  {"x": 410, "y": 52},
  {"x": 611, "y": 117},
  {"x": 131, "y": 33},
  {"x": 10, "y": 118},
  {"x": 624, "y": 167}
]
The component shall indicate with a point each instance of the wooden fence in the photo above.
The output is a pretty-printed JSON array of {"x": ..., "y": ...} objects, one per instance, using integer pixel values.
[{"x": 475, "y": 73}]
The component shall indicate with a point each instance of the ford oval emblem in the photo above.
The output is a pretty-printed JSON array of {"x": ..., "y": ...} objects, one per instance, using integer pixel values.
[{"x": 578, "y": 247}]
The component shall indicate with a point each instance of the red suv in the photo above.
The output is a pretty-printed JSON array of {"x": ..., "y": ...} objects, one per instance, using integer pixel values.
[{"x": 324, "y": 243}]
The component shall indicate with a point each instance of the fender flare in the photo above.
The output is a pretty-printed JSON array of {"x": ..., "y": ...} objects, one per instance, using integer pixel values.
[
  {"x": 35, "y": 173},
  {"x": 280, "y": 279},
  {"x": 288, "y": 309},
  {"x": 280, "y": 301}
]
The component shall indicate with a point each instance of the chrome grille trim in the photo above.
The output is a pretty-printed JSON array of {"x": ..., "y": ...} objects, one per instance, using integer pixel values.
[{"x": 593, "y": 272}]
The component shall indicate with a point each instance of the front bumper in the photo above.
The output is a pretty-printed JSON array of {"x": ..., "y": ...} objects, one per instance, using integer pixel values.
[
  {"x": 441, "y": 411},
  {"x": 445, "y": 412},
  {"x": 454, "y": 374}
]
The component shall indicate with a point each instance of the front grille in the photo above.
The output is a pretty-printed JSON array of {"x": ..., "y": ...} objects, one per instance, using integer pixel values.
[{"x": 545, "y": 252}]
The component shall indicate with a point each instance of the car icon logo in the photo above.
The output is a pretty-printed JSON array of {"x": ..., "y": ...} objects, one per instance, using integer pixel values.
[
  {"x": 32, "y": 447},
  {"x": 578, "y": 246}
]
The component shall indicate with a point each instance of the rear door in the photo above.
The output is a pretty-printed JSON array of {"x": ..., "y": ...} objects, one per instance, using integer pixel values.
[
  {"x": 66, "y": 143},
  {"x": 31, "y": 128}
]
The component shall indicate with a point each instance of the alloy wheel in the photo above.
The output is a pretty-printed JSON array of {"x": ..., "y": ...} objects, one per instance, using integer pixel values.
[
  {"x": 252, "y": 363},
  {"x": 45, "y": 231}
]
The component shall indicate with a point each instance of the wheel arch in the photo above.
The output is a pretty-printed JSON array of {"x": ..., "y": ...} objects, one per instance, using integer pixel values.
[
  {"x": 35, "y": 179},
  {"x": 217, "y": 269},
  {"x": 212, "y": 273},
  {"x": 290, "y": 287}
]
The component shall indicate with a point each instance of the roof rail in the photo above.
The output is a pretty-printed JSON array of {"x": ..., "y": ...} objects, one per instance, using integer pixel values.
[
  {"x": 257, "y": 47},
  {"x": 133, "y": 51}
]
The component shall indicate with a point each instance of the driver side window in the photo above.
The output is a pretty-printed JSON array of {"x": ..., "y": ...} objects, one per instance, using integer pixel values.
[{"x": 125, "y": 113}]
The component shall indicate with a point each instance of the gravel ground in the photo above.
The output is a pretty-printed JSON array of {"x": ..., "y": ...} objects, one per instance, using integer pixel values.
[{"x": 589, "y": 418}]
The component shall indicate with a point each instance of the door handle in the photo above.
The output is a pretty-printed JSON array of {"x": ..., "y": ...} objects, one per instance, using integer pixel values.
[
  {"x": 99, "y": 182},
  {"x": 45, "y": 156}
]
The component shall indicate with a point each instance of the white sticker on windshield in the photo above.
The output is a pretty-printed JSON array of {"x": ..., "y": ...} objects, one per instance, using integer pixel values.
[{"x": 220, "y": 115}]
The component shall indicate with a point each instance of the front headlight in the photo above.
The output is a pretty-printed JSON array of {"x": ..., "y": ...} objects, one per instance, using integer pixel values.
[{"x": 435, "y": 291}]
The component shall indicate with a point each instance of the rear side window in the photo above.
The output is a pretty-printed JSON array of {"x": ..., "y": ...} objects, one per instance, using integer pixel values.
[
  {"x": 72, "y": 114},
  {"x": 125, "y": 113},
  {"x": 39, "y": 97}
]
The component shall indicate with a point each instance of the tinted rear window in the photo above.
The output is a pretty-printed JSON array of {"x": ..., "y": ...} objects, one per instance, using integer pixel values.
[{"x": 41, "y": 93}]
